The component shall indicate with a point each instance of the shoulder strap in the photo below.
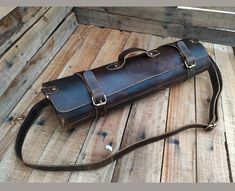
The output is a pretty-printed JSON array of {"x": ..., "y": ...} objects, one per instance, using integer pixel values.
[{"x": 216, "y": 81}]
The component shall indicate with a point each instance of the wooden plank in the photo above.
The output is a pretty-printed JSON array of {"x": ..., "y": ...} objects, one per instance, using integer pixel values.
[
  {"x": 111, "y": 125},
  {"x": 180, "y": 15},
  {"x": 18, "y": 56},
  {"x": 35, "y": 66},
  {"x": 158, "y": 28},
  {"x": 5, "y": 11},
  {"x": 179, "y": 164},
  {"x": 211, "y": 153},
  {"x": 144, "y": 165},
  {"x": 11, "y": 169},
  {"x": 226, "y": 61},
  {"x": 15, "y": 24},
  {"x": 64, "y": 147},
  {"x": 69, "y": 48}
]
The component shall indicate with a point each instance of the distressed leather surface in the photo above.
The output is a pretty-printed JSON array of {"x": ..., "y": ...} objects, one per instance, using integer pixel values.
[{"x": 139, "y": 76}]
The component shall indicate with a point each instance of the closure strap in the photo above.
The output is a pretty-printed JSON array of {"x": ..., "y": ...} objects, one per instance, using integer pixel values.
[
  {"x": 97, "y": 95},
  {"x": 189, "y": 59},
  {"x": 216, "y": 81}
]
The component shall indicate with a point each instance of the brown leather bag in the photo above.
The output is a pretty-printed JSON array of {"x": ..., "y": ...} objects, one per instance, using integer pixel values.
[{"x": 90, "y": 94}]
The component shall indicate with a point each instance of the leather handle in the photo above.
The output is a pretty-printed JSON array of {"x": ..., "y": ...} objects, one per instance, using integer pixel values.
[{"x": 123, "y": 55}]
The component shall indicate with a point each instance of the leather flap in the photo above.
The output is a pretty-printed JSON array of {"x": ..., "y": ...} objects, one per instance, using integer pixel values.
[{"x": 71, "y": 92}]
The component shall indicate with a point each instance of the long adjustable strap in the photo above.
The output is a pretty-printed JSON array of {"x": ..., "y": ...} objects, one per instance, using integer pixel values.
[{"x": 216, "y": 81}]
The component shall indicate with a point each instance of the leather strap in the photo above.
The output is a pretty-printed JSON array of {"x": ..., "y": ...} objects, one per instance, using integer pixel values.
[
  {"x": 97, "y": 95},
  {"x": 189, "y": 59},
  {"x": 216, "y": 81}
]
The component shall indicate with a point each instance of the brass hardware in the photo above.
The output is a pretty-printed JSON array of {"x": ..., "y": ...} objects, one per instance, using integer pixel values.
[
  {"x": 189, "y": 65},
  {"x": 49, "y": 90},
  {"x": 101, "y": 102},
  {"x": 152, "y": 53},
  {"x": 211, "y": 126}
]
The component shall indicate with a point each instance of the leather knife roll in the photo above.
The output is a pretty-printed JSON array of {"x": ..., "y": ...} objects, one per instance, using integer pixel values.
[{"x": 88, "y": 94}]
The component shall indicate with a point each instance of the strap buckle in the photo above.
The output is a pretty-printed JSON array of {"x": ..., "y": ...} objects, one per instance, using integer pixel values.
[
  {"x": 189, "y": 65},
  {"x": 211, "y": 126},
  {"x": 101, "y": 102}
]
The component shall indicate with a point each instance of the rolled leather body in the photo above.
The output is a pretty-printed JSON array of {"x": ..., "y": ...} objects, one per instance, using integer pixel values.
[{"x": 89, "y": 94}]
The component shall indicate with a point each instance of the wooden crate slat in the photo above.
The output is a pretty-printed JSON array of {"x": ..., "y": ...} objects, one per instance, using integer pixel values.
[
  {"x": 11, "y": 168},
  {"x": 225, "y": 59},
  {"x": 5, "y": 11},
  {"x": 16, "y": 23},
  {"x": 165, "y": 29},
  {"x": 35, "y": 66},
  {"x": 179, "y": 163},
  {"x": 174, "y": 15},
  {"x": 18, "y": 56},
  {"x": 144, "y": 165},
  {"x": 211, "y": 151},
  {"x": 62, "y": 149}
]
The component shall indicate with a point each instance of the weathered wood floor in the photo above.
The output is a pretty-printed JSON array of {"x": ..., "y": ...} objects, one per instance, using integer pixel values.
[{"x": 192, "y": 156}]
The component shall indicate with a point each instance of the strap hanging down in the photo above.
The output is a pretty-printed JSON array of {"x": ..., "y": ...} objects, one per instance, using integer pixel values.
[{"x": 216, "y": 81}]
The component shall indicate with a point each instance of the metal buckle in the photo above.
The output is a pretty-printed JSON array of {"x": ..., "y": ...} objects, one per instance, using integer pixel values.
[
  {"x": 189, "y": 65},
  {"x": 100, "y": 103},
  {"x": 211, "y": 126}
]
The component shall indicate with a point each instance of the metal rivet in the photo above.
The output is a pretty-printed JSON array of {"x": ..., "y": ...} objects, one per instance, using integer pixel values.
[{"x": 193, "y": 41}]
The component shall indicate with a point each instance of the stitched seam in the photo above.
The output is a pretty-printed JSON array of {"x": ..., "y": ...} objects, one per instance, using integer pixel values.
[
  {"x": 118, "y": 90},
  {"x": 64, "y": 111},
  {"x": 90, "y": 114}
]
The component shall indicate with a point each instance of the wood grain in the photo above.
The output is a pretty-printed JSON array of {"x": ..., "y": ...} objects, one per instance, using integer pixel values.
[
  {"x": 11, "y": 168},
  {"x": 226, "y": 61},
  {"x": 13, "y": 26},
  {"x": 110, "y": 125},
  {"x": 179, "y": 164},
  {"x": 35, "y": 66},
  {"x": 159, "y": 28},
  {"x": 5, "y": 11},
  {"x": 211, "y": 151},
  {"x": 64, "y": 147},
  {"x": 179, "y": 15},
  {"x": 18, "y": 56},
  {"x": 144, "y": 165}
]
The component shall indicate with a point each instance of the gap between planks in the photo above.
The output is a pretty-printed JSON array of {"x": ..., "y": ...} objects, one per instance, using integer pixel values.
[
  {"x": 4, "y": 11},
  {"x": 90, "y": 49},
  {"x": 9, "y": 163},
  {"x": 139, "y": 165},
  {"x": 15, "y": 24},
  {"x": 35, "y": 66},
  {"x": 17, "y": 57}
]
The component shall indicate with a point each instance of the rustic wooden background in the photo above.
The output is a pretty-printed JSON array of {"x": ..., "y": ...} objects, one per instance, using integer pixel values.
[
  {"x": 206, "y": 23},
  {"x": 38, "y": 44}
]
